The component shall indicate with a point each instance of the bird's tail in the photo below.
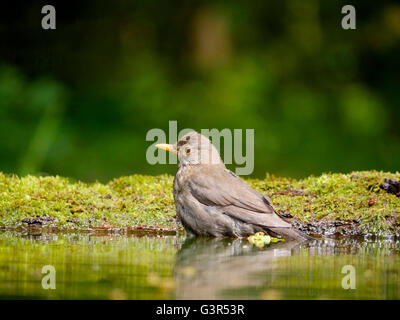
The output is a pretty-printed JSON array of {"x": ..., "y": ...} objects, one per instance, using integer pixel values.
[{"x": 290, "y": 233}]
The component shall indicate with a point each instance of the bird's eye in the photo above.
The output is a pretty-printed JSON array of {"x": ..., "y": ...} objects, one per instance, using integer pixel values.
[{"x": 187, "y": 150}]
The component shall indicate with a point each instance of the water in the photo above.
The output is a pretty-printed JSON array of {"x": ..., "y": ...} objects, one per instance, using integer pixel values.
[{"x": 168, "y": 267}]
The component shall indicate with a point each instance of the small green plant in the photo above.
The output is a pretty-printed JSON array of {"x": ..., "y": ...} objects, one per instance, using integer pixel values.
[{"x": 260, "y": 239}]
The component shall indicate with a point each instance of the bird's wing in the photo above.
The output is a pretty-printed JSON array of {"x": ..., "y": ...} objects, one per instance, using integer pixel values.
[{"x": 221, "y": 188}]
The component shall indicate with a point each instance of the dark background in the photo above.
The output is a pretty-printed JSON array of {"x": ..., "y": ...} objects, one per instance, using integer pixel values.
[{"x": 78, "y": 101}]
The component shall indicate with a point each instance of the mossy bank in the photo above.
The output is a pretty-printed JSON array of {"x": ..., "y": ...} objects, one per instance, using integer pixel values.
[{"x": 329, "y": 205}]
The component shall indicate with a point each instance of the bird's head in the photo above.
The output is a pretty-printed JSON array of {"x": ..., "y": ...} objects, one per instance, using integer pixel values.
[{"x": 193, "y": 148}]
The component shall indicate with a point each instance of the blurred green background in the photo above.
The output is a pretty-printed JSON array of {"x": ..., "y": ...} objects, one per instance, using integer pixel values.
[{"x": 78, "y": 101}]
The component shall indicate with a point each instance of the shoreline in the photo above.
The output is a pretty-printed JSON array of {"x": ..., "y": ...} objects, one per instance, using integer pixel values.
[{"x": 329, "y": 205}]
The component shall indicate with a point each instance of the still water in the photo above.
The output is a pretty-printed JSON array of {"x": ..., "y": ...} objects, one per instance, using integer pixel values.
[{"x": 170, "y": 267}]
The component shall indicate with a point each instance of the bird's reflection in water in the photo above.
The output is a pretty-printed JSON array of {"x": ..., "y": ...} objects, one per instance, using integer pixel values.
[
  {"x": 207, "y": 268},
  {"x": 235, "y": 269}
]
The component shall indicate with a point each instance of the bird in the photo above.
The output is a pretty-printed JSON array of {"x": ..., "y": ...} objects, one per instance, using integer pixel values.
[{"x": 212, "y": 201}]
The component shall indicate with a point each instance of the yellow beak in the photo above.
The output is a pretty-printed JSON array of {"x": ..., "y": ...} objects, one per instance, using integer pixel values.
[{"x": 168, "y": 147}]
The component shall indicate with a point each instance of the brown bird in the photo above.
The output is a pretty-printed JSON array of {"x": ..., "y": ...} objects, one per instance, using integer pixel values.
[{"x": 210, "y": 200}]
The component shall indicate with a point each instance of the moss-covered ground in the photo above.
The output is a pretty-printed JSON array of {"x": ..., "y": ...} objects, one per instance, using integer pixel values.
[{"x": 328, "y": 204}]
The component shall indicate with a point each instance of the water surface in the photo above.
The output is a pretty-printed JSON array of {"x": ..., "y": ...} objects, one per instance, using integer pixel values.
[{"x": 170, "y": 267}]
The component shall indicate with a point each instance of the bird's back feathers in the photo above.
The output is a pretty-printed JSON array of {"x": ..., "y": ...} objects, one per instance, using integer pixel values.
[{"x": 218, "y": 191}]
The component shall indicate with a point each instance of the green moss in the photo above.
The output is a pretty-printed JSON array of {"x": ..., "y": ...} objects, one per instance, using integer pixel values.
[
  {"x": 354, "y": 197},
  {"x": 145, "y": 202}
]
